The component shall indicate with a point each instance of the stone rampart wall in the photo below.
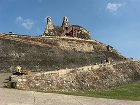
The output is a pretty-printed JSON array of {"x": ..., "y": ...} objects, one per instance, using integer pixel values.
[
  {"x": 50, "y": 53},
  {"x": 85, "y": 78}
]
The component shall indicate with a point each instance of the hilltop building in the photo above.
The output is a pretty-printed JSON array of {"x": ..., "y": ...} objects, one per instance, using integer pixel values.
[{"x": 65, "y": 30}]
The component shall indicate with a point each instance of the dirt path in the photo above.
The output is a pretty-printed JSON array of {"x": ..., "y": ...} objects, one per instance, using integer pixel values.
[
  {"x": 19, "y": 97},
  {"x": 3, "y": 77}
]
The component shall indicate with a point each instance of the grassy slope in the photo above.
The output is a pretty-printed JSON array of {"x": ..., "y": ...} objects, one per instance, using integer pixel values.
[{"x": 130, "y": 92}]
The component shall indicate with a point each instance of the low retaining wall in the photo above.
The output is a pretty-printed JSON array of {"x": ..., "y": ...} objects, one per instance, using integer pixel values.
[{"x": 92, "y": 77}]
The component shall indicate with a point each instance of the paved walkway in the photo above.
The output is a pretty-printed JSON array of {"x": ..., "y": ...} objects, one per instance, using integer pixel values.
[{"x": 19, "y": 97}]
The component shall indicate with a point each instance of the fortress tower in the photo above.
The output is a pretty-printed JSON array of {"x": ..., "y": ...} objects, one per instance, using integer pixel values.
[
  {"x": 65, "y": 23},
  {"x": 49, "y": 26}
]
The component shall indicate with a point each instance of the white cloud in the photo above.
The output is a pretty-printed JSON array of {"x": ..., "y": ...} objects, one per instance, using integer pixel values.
[
  {"x": 113, "y": 7},
  {"x": 26, "y": 23},
  {"x": 18, "y": 19}
]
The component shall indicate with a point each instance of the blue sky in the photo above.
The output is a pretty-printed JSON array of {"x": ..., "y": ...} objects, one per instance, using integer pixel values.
[{"x": 113, "y": 22}]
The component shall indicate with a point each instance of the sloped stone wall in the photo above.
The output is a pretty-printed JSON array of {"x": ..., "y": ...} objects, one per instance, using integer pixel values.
[
  {"x": 86, "y": 78},
  {"x": 44, "y": 54}
]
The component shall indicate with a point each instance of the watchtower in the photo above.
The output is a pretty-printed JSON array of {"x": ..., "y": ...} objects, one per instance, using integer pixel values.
[
  {"x": 49, "y": 26},
  {"x": 65, "y": 23}
]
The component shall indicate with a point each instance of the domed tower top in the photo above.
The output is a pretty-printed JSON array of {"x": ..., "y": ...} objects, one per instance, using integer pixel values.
[{"x": 65, "y": 22}]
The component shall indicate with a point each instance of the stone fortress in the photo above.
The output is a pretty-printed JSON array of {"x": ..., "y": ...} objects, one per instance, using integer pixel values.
[
  {"x": 81, "y": 37},
  {"x": 64, "y": 58},
  {"x": 65, "y": 30},
  {"x": 65, "y": 46}
]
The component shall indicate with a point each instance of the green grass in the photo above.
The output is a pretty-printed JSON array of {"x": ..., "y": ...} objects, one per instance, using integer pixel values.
[{"x": 129, "y": 92}]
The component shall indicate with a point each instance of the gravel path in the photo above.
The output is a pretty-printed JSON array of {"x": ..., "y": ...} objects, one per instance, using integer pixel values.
[
  {"x": 19, "y": 97},
  {"x": 3, "y": 77}
]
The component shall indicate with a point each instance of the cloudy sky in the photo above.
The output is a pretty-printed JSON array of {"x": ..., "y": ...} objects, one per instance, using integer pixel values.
[{"x": 114, "y": 22}]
